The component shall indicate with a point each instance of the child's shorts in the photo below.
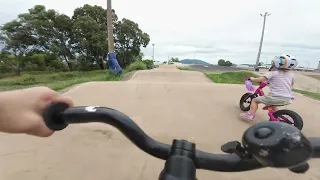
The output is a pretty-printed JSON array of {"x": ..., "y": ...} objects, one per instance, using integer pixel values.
[{"x": 276, "y": 101}]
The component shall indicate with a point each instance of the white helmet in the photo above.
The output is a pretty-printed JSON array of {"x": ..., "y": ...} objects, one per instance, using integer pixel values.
[{"x": 285, "y": 62}]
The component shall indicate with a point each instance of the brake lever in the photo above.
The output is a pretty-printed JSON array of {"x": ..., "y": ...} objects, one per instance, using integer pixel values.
[
  {"x": 301, "y": 168},
  {"x": 234, "y": 147}
]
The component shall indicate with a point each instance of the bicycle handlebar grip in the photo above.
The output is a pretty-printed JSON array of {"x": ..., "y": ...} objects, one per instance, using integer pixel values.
[{"x": 52, "y": 116}]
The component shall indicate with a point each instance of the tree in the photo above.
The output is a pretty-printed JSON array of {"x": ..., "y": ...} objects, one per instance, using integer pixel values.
[
  {"x": 128, "y": 41},
  {"x": 90, "y": 33},
  {"x": 139, "y": 57},
  {"x": 19, "y": 40},
  {"x": 30, "y": 62},
  {"x": 174, "y": 59},
  {"x": 53, "y": 32},
  {"x": 222, "y": 62},
  {"x": 79, "y": 41}
]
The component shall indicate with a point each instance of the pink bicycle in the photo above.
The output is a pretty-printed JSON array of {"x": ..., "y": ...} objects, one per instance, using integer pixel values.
[{"x": 279, "y": 115}]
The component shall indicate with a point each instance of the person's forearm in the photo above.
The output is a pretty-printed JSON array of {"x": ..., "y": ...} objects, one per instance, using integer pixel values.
[
  {"x": 259, "y": 79},
  {"x": 7, "y": 106},
  {"x": 3, "y": 102},
  {"x": 3, "y": 99}
]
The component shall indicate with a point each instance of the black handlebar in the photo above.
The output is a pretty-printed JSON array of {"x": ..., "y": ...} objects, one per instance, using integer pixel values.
[{"x": 267, "y": 144}]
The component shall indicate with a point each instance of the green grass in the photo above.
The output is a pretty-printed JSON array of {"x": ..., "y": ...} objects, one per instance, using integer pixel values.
[
  {"x": 230, "y": 77},
  {"x": 309, "y": 94},
  {"x": 238, "y": 78},
  {"x": 55, "y": 80},
  {"x": 61, "y": 80},
  {"x": 184, "y": 68}
]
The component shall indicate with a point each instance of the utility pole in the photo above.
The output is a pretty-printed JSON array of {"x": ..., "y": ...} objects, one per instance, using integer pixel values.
[
  {"x": 110, "y": 27},
  {"x": 114, "y": 67},
  {"x": 261, "y": 40},
  {"x": 308, "y": 64},
  {"x": 153, "y": 52}
]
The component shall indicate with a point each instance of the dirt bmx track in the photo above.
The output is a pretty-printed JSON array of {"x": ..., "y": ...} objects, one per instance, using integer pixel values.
[{"x": 166, "y": 103}]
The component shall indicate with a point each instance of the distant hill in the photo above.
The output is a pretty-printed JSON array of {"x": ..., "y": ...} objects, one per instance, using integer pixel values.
[{"x": 194, "y": 61}]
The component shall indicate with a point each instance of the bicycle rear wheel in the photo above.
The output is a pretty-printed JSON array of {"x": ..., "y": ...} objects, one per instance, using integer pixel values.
[{"x": 289, "y": 117}]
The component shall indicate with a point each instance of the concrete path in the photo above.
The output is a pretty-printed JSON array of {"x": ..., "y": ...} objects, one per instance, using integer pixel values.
[{"x": 166, "y": 103}]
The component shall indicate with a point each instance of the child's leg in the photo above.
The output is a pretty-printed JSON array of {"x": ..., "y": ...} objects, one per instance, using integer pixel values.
[
  {"x": 275, "y": 108},
  {"x": 254, "y": 106}
]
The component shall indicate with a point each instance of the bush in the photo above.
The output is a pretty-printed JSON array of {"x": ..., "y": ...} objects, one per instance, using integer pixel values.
[
  {"x": 148, "y": 62},
  {"x": 137, "y": 65}
]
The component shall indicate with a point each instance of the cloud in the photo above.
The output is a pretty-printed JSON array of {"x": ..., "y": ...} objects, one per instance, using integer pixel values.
[
  {"x": 210, "y": 30},
  {"x": 302, "y": 46}
]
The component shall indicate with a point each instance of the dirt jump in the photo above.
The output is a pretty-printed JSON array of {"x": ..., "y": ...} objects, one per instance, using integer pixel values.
[{"x": 166, "y": 103}]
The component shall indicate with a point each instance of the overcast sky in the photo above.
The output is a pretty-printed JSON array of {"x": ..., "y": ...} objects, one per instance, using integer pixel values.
[{"x": 210, "y": 29}]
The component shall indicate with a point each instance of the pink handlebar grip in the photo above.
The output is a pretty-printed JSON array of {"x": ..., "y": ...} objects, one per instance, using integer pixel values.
[{"x": 249, "y": 85}]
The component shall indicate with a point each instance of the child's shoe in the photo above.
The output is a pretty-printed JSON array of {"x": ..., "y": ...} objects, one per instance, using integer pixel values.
[{"x": 247, "y": 116}]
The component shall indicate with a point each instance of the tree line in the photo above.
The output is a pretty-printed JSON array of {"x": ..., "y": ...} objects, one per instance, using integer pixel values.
[
  {"x": 223, "y": 62},
  {"x": 46, "y": 40}
]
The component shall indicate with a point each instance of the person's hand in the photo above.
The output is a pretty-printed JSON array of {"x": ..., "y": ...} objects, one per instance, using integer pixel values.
[{"x": 21, "y": 110}]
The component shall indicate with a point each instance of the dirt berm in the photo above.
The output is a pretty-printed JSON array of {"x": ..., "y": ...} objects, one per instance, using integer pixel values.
[{"x": 166, "y": 103}]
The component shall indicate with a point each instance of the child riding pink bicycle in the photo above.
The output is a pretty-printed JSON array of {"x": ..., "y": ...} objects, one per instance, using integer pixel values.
[{"x": 280, "y": 81}]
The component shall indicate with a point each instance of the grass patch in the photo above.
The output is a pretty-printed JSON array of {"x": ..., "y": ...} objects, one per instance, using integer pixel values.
[
  {"x": 56, "y": 80},
  {"x": 230, "y": 77},
  {"x": 238, "y": 78},
  {"x": 317, "y": 77},
  {"x": 184, "y": 68},
  {"x": 61, "y": 80},
  {"x": 313, "y": 95}
]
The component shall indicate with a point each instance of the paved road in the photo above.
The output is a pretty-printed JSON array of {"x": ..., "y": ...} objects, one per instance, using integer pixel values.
[{"x": 192, "y": 109}]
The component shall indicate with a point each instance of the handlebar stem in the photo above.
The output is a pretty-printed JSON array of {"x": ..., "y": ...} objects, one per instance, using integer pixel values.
[{"x": 180, "y": 164}]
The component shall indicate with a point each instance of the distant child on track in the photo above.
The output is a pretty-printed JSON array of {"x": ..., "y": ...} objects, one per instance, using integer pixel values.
[{"x": 280, "y": 81}]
